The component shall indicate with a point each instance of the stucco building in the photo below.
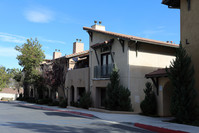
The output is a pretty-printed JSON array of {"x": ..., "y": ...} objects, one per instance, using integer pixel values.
[
  {"x": 133, "y": 56},
  {"x": 71, "y": 72},
  {"x": 138, "y": 60},
  {"x": 189, "y": 26}
]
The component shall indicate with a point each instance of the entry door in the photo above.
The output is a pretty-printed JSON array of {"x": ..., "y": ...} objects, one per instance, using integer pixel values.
[{"x": 103, "y": 97}]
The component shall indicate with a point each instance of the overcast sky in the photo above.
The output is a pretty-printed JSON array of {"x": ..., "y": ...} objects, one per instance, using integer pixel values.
[{"x": 58, "y": 23}]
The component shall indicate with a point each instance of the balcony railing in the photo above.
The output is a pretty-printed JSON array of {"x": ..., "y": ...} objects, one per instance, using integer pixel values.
[{"x": 103, "y": 71}]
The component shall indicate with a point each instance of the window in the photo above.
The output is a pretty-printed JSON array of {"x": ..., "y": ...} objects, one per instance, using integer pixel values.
[{"x": 106, "y": 62}]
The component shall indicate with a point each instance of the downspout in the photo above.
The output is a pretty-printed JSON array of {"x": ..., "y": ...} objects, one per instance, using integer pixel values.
[
  {"x": 91, "y": 66},
  {"x": 129, "y": 72}
]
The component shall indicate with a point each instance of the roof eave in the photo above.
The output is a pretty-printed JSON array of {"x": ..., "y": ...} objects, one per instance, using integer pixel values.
[
  {"x": 156, "y": 75},
  {"x": 132, "y": 39},
  {"x": 174, "y": 4}
]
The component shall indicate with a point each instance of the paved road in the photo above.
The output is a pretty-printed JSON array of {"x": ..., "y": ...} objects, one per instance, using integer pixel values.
[{"x": 18, "y": 119}]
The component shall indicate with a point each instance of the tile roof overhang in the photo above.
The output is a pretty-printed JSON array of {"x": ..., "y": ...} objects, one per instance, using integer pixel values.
[
  {"x": 172, "y": 3},
  {"x": 83, "y": 53},
  {"x": 103, "y": 44},
  {"x": 157, "y": 73},
  {"x": 79, "y": 54},
  {"x": 132, "y": 38}
]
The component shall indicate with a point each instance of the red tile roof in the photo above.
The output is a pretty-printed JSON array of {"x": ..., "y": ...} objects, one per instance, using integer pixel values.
[
  {"x": 78, "y": 54},
  {"x": 10, "y": 91},
  {"x": 130, "y": 37},
  {"x": 157, "y": 73}
]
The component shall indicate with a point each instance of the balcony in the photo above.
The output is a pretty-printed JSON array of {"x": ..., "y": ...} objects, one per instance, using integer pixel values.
[{"x": 103, "y": 71}]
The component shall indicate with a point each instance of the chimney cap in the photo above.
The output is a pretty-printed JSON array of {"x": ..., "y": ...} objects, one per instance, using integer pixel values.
[{"x": 100, "y": 22}]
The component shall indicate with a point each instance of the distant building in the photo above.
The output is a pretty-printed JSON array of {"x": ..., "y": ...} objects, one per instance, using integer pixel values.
[
  {"x": 74, "y": 76},
  {"x": 10, "y": 93}
]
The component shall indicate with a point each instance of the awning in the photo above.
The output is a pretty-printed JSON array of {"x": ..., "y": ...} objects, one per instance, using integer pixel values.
[{"x": 157, "y": 73}]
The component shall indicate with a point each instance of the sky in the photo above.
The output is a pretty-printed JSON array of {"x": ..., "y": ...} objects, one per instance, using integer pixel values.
[{"x": 58, "y": 23}]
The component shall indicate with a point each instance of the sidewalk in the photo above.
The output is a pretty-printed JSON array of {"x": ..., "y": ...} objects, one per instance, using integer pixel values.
[{"x": 150, "y": 123}]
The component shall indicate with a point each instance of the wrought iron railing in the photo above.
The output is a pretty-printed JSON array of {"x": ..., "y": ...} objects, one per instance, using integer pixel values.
[{"x": 103, "y": 71}]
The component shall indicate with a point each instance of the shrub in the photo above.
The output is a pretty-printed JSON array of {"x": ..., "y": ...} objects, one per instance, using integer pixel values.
[
  {"x": 44, "y": 101},
  {"x": 149, "y": 104},
  {"x": 75, "y": 104},
  {"x": 63, "y": 103},
  {"x": 6, "y": 99},
  {"x": 20, "y": 98},
  {"x": 85, "y": 101},
  {"x": 118, "y": 97},
  {"x": 31, "y": 100},
  {"x": 54, "y": 103}
]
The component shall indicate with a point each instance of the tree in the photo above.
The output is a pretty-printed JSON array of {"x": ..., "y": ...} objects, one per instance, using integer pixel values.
[
  {"x": 18, "y": 78},
  {"x": 118, "y": 97},
  {"x": 149, "y": 104},
  {"x": 30, "y": 58},
  {"x": 11, "y": 74},
  {"x": 181, "y": 75},
  {"x": 59, "y": 70},
  {"x": 4, "y": 77}
]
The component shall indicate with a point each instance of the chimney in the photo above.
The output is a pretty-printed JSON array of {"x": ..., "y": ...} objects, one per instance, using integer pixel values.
[
  {"x": 98, "y": 26},
  {"x": 78, "y": 46},
  {"x": 56, "y": 54}
]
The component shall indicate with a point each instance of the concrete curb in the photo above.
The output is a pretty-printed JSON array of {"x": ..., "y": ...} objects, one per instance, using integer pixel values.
[
  {"x": 157, "y": 129},
  {"x": 143, "y": 126},
  {"x": 111, "y": 112},
  {"x": 58, "y": 110}
]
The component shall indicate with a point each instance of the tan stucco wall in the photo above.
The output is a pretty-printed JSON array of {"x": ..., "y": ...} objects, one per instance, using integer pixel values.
[
  {"x": 163, "y": 97},
  {"x": 149, "y": 58},
  {"x": 190, "y": 31},
  {"x": 77, "y": 78}
]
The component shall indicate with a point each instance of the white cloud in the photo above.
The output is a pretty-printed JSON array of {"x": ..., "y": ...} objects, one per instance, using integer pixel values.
[
  {"x": 39, "y": 15},
  {"x": 52, "y": 41},
  {"x": 5, "y": 37},
  {"x": 8, "y": 52}
]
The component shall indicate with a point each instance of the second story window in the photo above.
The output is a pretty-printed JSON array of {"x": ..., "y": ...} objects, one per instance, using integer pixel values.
[{"x": 106, "y": 63}]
